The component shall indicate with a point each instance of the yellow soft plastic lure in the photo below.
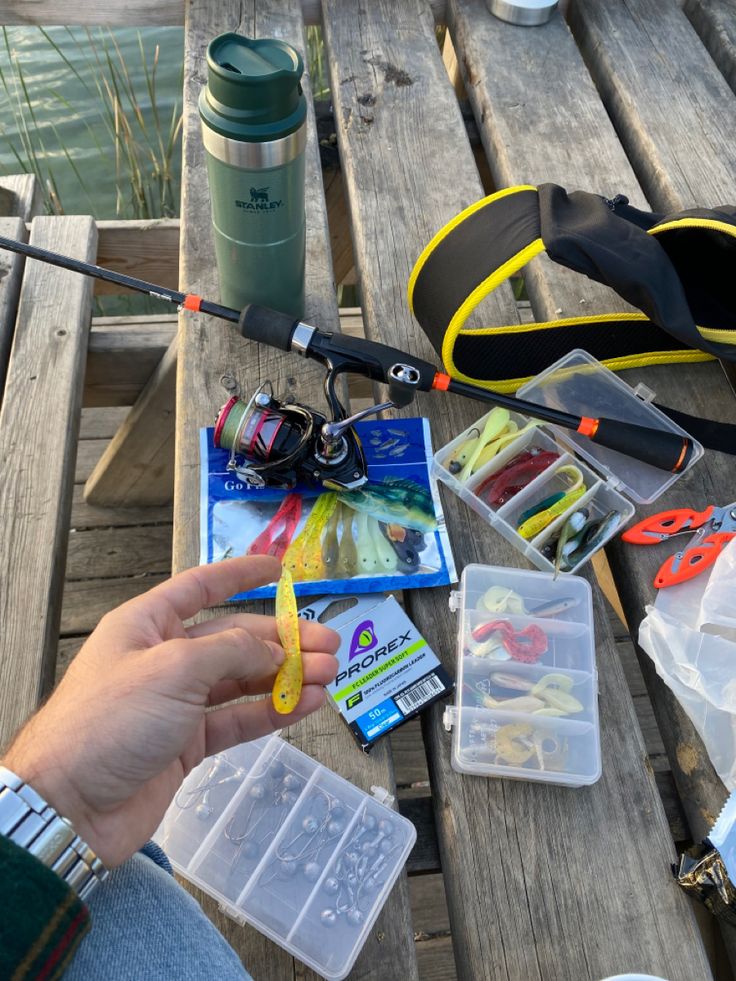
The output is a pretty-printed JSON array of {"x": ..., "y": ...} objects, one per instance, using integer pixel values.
[{"x": 287, "y": 687}]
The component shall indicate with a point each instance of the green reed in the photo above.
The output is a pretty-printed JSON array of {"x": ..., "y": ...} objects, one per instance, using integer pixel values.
[{"x": 127, "y": 126}]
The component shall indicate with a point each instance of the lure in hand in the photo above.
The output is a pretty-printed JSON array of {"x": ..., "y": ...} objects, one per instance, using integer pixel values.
[{"x": 287, "y": 688}]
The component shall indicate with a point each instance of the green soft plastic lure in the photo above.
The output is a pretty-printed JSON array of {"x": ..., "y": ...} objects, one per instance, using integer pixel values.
[{"x": 287, "y": 688}]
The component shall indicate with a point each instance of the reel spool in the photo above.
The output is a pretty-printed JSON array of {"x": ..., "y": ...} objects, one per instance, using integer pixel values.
[{"x": 279, "y": 444}]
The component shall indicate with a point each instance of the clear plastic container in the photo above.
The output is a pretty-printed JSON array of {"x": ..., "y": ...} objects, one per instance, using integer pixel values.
[
  {"x": 531, "y": 714},
  {"x": 583, "y": 386},
  {"x": 290, "y": 847}
]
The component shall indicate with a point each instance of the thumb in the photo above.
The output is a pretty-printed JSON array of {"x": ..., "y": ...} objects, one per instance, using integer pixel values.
[{"x": 200, "y": 663}]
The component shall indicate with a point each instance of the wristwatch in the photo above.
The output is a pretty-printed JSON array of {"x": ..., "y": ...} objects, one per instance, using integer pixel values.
[{"x": 34, "y": 825}]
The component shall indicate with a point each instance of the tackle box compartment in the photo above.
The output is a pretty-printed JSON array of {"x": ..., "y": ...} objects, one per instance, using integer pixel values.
[
  {"x": 578, "y": 384},
  {"x": 533, "y": 719},
  {"x": 288, "y": 846}
]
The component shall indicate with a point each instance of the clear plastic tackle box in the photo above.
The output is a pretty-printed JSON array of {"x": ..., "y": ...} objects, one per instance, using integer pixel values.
[
  {"x": 290, "y": 847},
  {"x": 534, "y": 718},
  {"x": 583, "y": 386}
]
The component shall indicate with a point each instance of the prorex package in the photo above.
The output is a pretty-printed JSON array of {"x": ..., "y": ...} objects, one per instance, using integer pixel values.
[{"x": 387, "y": 671}]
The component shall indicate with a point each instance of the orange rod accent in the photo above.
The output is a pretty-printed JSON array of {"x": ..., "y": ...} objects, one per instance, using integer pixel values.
[
  {"x": 192, "y": 302},
  {"x": 441, "y": 382},
  {"x": 685, "y": 444},
  {"x": 588, "y": 426}
]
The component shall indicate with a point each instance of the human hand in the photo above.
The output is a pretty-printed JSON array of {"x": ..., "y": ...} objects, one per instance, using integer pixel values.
[{"x": 128, "y": 721}]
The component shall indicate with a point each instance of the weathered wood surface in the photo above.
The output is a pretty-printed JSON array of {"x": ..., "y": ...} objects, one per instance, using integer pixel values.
[
  {"x": 132, "y": 13},
  {"x": 19, "y": 201},
  {"x": 513, "y": 855},
  {"x": 88, "y": 516},
  {"x": 39, "y": 423},
  {"x": 123, "y": 353},
  {"x": 86, "y": 601},
  {"x": 674, "y": 124},
  {"x": 148, "y": 250},
  {"x": 207, "y": 348},
  {"x": 110, "y": 552},
  {"x": 715, "y": 22},
  {"x": 137, "y": 467}
]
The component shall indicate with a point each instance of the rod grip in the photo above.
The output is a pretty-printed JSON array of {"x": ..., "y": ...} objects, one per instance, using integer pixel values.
[
  {"x": 661, "y": 449},
  {"x": 267, "y": 326}
]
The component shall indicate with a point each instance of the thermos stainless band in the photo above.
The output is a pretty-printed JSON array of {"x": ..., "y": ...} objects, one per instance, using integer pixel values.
[{"x": 255, "y": 156}]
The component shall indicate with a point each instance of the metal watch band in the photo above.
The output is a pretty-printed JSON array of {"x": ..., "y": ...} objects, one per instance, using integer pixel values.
[{"x": 34, "y": 825}]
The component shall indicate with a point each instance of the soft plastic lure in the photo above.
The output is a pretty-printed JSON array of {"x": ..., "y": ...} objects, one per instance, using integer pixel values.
[
  {"x": 330, "y": 545},
  {"x": 270, "y": 543},
  {"x": 532, "y": 526},
  {"x": 287, "y": 687},
  {"x": 367, "y": 556},
  {"x": 496, "y": 424},
  {"x": 347, "y": 560},
  {"x": 387, "y": 558},
  {"x": 303, "y": 558}
]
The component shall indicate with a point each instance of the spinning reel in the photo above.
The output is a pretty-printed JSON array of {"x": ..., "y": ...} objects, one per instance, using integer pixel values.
[{"x": 276, "y": 443}]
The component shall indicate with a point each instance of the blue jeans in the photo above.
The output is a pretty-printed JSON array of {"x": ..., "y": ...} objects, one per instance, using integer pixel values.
[{"x": 144, "y": 925}]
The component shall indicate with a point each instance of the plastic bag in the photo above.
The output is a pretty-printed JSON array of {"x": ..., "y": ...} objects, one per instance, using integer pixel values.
[
  {"x": 690, "y": 634},
  {"x": 386, "y": 554}
]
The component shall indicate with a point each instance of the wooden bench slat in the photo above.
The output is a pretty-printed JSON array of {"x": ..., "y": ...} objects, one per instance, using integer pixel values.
[
  {"x": 137, "y": 466},
  {"x": 675, "y": 124},
  {"x": 715, "y": 22},
  {"x": 207, "y": 349},
  {"x": 86, "y": 601},
  {"x": 39, "y": 423},
  {"x": 116, "y": 552},
  {"x": 19, "y": 202},
  {"x": 123, "y": 354},
  {"x": 513, "y": 854}
]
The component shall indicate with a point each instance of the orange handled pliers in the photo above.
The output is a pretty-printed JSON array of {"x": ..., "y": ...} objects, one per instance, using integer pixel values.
[{"x": 716, "y": 527}]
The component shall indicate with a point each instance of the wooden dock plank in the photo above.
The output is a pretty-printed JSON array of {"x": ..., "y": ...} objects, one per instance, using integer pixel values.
[
  {"x": 123, "y": 353},
  {"x": 86, "y": 601},
  {"x": 515, "y": 905},
  {"x": 87, "y": 516},
  {"x": 675, "y": 125},
  {"x": 137, "y": 468},
  {"x": 19, "y": 201},
  {"x": 207, "y": 348},
  {"x": 715, "y": 22},
  {"x": 109, "y": 553},
  {"x": 39, "y": 423}
]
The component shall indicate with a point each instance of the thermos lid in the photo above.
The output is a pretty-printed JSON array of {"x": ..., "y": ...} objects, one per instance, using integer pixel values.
[
  {"x": 528, "y": 13},
  {"x": 253, "y": 88}
]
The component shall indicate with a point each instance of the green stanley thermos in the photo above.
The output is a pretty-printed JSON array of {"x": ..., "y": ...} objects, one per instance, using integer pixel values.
[{"x": 253, "y": 115}]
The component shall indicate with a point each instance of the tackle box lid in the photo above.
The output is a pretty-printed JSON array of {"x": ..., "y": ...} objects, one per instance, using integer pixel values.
[
  {"x": 581, "y": 385},
  {"x": 545, "y": 748},
  {"x": 290, "y": 847}
]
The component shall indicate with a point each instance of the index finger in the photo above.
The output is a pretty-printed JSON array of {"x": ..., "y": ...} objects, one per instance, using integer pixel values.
[{"x": 209, "y": 585}]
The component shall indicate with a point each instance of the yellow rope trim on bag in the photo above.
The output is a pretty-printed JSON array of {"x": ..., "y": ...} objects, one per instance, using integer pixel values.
[
  {"x": 451, "y": 226},
  {"x": 480, "y": 292}
]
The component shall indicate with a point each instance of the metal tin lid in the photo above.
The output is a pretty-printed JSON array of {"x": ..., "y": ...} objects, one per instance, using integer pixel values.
[{"x": 527, "y": 13}]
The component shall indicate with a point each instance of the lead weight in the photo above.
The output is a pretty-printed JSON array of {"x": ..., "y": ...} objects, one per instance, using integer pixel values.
[
  {"x": 203, "y": 811},
  {"x": 354, "y": 917},
  {"x": 276, "y": 770},
  {"x": 312, "y": 871},
  {"x": 335, "y": 828},
  {"x": 257, "y": 791},
  {"x": 331, "y": 886},
  {"x": 369, "y": 822},
  {"x": 328, "y": 917},
  {"x": 292, "y": 782}
]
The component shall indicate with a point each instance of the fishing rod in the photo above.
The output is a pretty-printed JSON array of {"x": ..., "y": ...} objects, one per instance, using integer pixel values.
[{"x": 284, "y": 442}]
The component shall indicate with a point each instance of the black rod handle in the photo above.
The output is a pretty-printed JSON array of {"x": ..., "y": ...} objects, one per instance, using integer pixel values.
[{"x": 658, "y": 447}]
